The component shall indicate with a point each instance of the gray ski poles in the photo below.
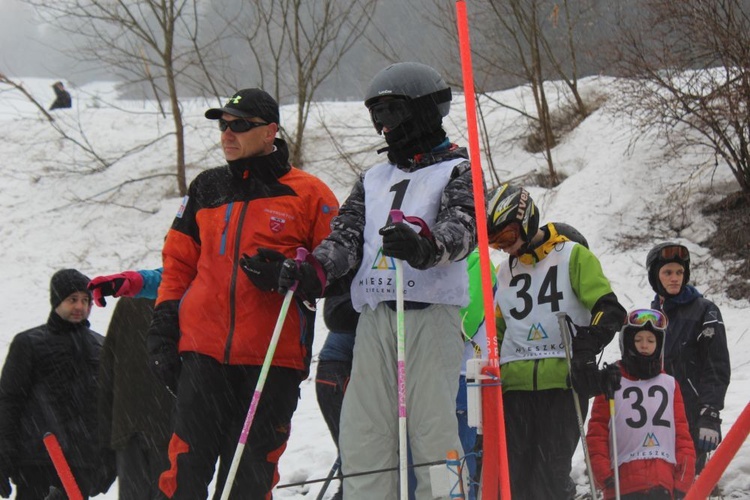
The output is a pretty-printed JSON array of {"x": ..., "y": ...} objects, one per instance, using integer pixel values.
[
  {"x": 562, "y": 319},
  {"x": 301, "y": 254}
]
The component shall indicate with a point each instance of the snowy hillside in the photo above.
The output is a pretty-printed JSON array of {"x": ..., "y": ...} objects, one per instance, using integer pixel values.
[{"x": 58, "y": 209}]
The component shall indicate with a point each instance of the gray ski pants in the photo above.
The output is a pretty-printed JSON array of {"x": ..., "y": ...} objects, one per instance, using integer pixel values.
[{"x": 369, "y": 417}]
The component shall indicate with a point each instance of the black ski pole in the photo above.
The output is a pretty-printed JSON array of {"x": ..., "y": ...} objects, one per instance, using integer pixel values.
[
  {"x": 355, "y": 474},
  {"x": 329, "y": 478}
]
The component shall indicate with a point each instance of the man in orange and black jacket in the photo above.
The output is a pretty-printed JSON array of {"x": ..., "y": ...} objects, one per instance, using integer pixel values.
[{"x": 212, "y": 325}]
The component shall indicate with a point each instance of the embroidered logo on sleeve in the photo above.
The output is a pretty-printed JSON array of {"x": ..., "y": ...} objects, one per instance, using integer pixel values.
[{"x": 183, "y": 204}]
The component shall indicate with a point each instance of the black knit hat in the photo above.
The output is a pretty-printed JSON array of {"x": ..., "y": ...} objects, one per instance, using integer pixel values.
[
  {"x": 248, "y": 103},
  {"x": 64, "y": 283}
]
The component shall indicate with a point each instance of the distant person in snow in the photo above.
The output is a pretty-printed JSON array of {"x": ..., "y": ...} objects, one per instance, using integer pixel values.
[
  {"x": 62, "y": 97},
  {"x": 49, "y": 384},
  {"x": 695, "y": 351},
  {"x": 217, "y": 304},
  {"x": 429, "y": 179},
  {"x": 655, "y": 455},
  {"x": 549, "y": 270},
  {"x": 135, "y": 409}
]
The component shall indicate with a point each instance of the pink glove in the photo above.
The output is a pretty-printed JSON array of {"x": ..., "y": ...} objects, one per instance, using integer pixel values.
[{"x": 124, "y": 284}]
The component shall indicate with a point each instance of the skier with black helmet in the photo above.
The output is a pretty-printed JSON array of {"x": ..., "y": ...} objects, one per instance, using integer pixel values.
[
  {"x": 695, "y": 351},
  {"x": 653, "y": 451},
  {"x": 547, "y": 272},
  {"x": 429, "y": 179}
]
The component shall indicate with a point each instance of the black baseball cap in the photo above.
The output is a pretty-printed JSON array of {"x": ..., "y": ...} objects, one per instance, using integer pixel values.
[{"x": 248, "y": 103}]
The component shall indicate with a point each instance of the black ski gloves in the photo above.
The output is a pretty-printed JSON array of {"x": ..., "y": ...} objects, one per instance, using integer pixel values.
[
  {"x": 709, "y": 429},
  {"x": 401, "y": 242},
  {"x": 308, "y": 275},
  {"x": 584, "y": 376},
  {"x": 163, "y": 336},
  {"x": 263, "y": 268},
  {"x": 589, "y": 340}
]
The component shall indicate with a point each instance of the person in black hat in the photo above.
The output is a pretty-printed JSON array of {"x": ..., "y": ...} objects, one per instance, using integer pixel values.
[
  {"x": 62, "y": 97},
  {"x": 216, "y": 306},
  {"x": 49, "y": 384},
  {"x": 695, "y": 351}
]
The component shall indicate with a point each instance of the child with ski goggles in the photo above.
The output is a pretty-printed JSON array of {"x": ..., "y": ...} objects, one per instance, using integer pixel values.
[{"x": 643, "y": 432}]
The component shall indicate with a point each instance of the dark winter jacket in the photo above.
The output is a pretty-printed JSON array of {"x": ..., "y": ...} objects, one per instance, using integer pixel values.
[
  {"x": 49, "y": 384},
  {"x": 131, "y": 400},
  {"x": 695, "y": 351},
  {"x": 62, "y": 98}
]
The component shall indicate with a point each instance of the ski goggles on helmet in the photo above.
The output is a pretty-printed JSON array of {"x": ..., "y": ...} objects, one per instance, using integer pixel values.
[
  {"x": 641, "y": 317},
  {"x": 674, "y": 252},
  {"x": 239, "y": 126},
  {"x": 390, "y": 113},
  {"x": 506, "y": 237}
]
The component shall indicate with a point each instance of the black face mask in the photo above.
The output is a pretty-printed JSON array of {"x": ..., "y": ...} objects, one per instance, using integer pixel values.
[
  {"x": 413, "y": 137},
  {"x": 642, "y": 367},
  {"x": 638, "y": 365}
]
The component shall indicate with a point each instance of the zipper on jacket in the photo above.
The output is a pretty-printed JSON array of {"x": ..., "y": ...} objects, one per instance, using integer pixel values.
[
  {"x": 227, "y": 215},
  {"x": 536, "y": 372},
  {"x": 233, "y": 283}
]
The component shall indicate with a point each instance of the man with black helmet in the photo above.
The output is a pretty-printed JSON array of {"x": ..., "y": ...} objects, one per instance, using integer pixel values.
[
  {"x": 429, "y": 179},
  {"x": 548, "y": 271},
  {"x": 212, "y": 325},
  {"x": 696, "y": 351}
]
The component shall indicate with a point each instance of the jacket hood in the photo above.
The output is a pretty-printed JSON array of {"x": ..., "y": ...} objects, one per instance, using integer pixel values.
[{"x": 688, "y": 294}]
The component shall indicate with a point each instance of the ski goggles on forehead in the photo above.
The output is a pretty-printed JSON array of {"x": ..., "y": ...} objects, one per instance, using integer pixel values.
[
  {"x": 674, "y": 252},
  {"x": 640, "y": 317},
  {"x": 391, "y": 113},
  {"x": 506, "y": 237}
]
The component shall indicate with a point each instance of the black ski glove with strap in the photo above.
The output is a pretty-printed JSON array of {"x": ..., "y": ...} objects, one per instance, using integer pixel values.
[
  {"x": 306, "y": 273},
  {"x": 400, "y": 241},
  {"x": 263, "y": 268},
  {"x": 709, "y": 429}
]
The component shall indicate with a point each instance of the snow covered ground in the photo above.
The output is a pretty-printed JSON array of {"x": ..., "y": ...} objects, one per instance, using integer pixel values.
[{"x": 58, "y": 209}]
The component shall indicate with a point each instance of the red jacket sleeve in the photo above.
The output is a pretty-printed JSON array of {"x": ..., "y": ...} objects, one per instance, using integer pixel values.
[
  {"x": 684, "y": 472},
  {"x": 597, "y": 440}
]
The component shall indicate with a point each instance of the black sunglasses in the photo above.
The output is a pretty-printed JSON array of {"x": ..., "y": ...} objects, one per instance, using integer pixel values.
[{"x": 239, "y": 126}]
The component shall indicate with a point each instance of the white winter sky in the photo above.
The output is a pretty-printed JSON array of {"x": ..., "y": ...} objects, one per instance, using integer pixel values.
[{"x": 614, "y": 191}]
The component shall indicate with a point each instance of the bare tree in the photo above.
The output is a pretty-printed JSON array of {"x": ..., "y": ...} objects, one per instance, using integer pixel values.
[
  {"x": 157, "y": 42},
  {"x": 527, "y": 42},
  {"x": 690, "y": 68},
  {"x": 297, "y": 46}
]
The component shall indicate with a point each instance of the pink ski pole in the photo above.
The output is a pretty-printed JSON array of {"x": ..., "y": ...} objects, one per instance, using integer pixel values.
[{"x": 301, "y": 255}]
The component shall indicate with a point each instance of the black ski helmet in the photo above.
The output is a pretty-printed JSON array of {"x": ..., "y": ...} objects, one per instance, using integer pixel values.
[
  {"x": 512, "y": 204},
  {"x": 429, "y": 95},
  {"x": 636, "y": 364},
  {"x": 664, "y": 253}
]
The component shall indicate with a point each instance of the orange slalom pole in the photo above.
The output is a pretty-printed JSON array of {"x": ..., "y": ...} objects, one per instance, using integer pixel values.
[
  {"x": 722, "y": 456},
  {"x": 495, "y": 475},
  {"x": 62, "y": 467}
]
